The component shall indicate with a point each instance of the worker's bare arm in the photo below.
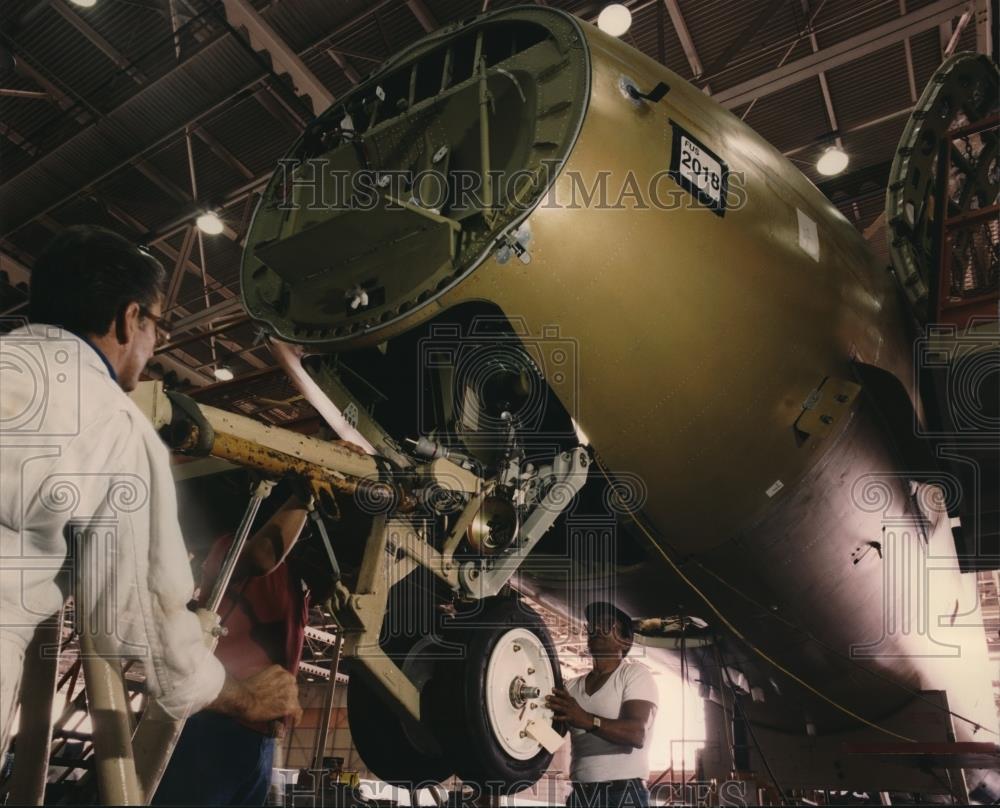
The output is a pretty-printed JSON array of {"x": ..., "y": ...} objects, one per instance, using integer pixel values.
[
  {"x": 629, "y": 729},
  {"x": 268, "y": 547}
]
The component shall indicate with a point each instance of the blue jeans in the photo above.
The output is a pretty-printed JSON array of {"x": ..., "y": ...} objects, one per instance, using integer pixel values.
[
  {"x": 217, "y": 761},
  {"x": 612, "y": 794}
]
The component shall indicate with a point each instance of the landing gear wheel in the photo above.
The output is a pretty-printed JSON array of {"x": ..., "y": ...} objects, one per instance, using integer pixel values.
[
  {"x": 386, "y": 742},
  {"x": 508, "y": 668}
]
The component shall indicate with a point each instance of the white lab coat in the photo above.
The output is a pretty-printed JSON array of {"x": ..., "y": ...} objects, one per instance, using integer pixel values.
[{"x": 77, "y": 455}]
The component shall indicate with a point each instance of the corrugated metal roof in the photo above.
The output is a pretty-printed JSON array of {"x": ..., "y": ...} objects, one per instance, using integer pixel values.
[
  {"x": 714, "y": 25},
  {"x": 865, "y": 148},
  {"x": 644, "y": 35},
  {"x": 212, "y": 176},
  {"x": 222, "y": 258},
  {"x": 329, "y": 72},
  {"x": 719, "y": 25},
  {"x": 868, "y": 147},
  {"x": 863, "y": 210},
  {"x": 870, "y": 86},
  {"x": 457, "y": 10},
  {"x": 925, "y": 49},
  {"x": 300, "y": 22},
  {"x": 141, "y": 34},
  {"x": 56, "y": 48},
  {"x": 32, "y": 120},
  {"x": 365, "y": 39},
  {"x": 141, "y": 198},
  {"x": 810, "y": 115},
  {"x": 252, "y": 134},
  {"x": 841, "y": 19},
  {"x": 209, "y": 78},
  {"x": 399, "y": 26}
]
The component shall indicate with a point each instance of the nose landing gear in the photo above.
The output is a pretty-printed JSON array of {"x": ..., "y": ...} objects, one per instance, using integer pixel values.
[{"x": 493, "y": 693}]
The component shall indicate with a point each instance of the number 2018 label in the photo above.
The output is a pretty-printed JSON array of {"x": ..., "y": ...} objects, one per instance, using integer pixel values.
[
  {"x": 701, "y": 169},
  {"x": 698, "y": 169}
]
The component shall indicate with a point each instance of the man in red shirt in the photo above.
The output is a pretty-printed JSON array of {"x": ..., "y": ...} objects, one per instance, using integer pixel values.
[{"x": 221, "y": 760}]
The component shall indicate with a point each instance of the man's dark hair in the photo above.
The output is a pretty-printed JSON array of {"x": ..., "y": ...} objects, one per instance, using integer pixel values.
[
  {"x": 602, "y": 610},
  {"x": 87, "y": 275}
]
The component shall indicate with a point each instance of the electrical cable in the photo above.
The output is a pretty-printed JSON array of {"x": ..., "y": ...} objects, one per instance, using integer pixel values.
[
  {"x": 684, "y": 682},
  {"x": 829, "y": 648},
  {"x": 726, "y": 724},
  {"x": 746, "y": 721},
  {"x": 737, "y": 633}
]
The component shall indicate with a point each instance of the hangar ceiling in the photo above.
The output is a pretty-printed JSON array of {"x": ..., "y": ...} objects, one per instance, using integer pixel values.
[{"x": 137, "y": 114}]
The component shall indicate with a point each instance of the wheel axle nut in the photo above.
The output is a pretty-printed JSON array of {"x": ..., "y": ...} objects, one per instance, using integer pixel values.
[{"x": 521, "y": 693}]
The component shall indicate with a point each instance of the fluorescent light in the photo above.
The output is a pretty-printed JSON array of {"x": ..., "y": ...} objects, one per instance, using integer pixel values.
[
  {"x": 223, "y": 374},
  {"x": 614, "y": 19},
  {"x": 84, "y": 3},
  {"x": 832, "y": 161},
  {"x": 209, "y": 223}
]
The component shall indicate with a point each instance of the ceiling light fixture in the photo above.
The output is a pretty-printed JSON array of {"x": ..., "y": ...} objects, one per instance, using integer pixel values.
[
  {"x": 84, "y": 3},
  {"x": 614, "y": 19},
  {"x": 832, "y": 161},
  {"x": 209, "y": 223},
  {"x": 223, "y": 373}
]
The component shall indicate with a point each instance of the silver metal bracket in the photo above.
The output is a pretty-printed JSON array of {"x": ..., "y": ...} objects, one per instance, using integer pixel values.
[
  {"x": 514, "y": 244},
  {"x": 570, "y": 472}
]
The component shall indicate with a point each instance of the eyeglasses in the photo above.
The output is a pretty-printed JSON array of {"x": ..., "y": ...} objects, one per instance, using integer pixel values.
[
  {"x": 601, "y": 628},
  {"x": 162, "y": 332}
]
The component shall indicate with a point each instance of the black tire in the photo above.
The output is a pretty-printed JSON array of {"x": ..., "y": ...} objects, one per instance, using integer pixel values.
[
  {"x": 459, "y": 699},
  {"x": 378, "y": 732},
  {"x": 382, "y": 742}
]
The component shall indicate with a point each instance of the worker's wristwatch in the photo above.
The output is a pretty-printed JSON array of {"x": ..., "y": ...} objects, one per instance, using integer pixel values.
[{"x": 596, "y": 723}]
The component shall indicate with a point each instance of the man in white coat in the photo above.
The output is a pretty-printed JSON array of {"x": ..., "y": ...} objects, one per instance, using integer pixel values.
[{"x": 80, "y": 465}]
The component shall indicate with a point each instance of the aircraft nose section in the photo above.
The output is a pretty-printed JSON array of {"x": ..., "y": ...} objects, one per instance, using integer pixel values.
[{"x": 403, "y": 187}]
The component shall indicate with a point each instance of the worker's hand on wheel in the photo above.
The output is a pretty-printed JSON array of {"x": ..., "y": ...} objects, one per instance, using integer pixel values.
[
  {"x": 271, "y": 693},
  {"x": 566, "y": 708}
]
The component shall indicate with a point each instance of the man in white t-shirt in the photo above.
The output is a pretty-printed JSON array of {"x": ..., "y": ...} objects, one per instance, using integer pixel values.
[{"x": 609, "y": 711}]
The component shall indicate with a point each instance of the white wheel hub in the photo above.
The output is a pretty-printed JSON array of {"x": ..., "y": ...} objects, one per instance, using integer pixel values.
[{"x": 519, "y": 675}]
